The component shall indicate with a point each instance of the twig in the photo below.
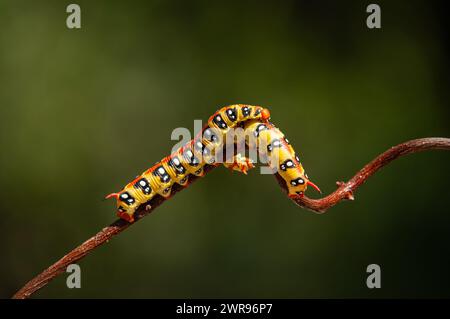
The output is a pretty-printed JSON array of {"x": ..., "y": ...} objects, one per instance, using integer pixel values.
[
  {"x": 98, "y": 239},
  {"x": 344, "y": 191}
]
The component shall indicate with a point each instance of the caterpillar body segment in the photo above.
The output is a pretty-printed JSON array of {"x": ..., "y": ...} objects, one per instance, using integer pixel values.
[{"x": 187, "y": 160}]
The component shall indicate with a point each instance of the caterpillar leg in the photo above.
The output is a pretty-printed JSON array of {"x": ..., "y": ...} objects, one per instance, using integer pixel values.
[
  {"x": 240, "y": 163},
  {"x": 295, "y": 196}
]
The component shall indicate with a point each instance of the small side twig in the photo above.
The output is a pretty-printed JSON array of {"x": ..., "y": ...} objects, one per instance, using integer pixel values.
[{"x": 344, "y": 192}]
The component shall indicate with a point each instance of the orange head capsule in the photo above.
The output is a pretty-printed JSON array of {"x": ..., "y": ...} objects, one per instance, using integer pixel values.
[{"x": 265, "y": 114}]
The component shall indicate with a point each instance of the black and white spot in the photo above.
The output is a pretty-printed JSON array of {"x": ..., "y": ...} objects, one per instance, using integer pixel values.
[
  {"x": 287, "y": 164},
  {"x": 198, "y": 146},
  {"x": 257, "y": 111},
  {"x": 176, "y": 164},
  {"x": 190, "y": 158},
  {"x": 163, "y": 175},
  {"x": 144, "y": 186},
  {"x": 275, "y": 144},
  {"x": 127, "y": 198},
  {"x": 207, "y": 156},
  {"x": 218, "y": 120},
  {"x": 209, "y": 135},
  {"x": 297, "y": 181},
  {"x": 259, "y": 129},
  {"x": 245, "y": 111},
  {"x": 231, "y": 113}
]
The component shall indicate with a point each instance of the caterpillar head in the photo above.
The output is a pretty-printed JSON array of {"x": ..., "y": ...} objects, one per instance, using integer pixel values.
[
  {"x": 265, "y": 114},
  {"x": 126, "y": 205},
  {"x": 298, "y": 186}
]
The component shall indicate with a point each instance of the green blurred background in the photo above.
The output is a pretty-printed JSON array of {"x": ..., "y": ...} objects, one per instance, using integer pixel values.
[{"x": 84, "y": 111}]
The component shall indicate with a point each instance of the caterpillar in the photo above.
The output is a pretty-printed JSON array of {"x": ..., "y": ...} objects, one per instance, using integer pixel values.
[{"x": 204, "y": 149}]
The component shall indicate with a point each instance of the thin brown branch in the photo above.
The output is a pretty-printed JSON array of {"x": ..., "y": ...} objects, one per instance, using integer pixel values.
[
  {"x": 103, "y": 236},
  {"x": 344, "y": 191}
]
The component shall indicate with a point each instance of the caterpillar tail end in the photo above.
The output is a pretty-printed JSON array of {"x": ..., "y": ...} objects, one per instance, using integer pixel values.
[
  {"x": 112, "y": 195},
  {"x": 309, "y": 183}
]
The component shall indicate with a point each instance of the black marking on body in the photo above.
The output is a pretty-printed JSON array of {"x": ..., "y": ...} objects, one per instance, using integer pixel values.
[
  {"x": 287, "y": 164},
  {"x": 144, "y": 186},
  {"x": 276, "y": 143},
  {"x": 162, "y": 174},
  {"x": 245, "y": 111},
  {"x": 231, "y": 114},
  {"x": 218, "y": 120},
  {"x": 204, "y": 150},
  {"x": 208, "y": 157},
  {"x": 177, "y": 166},
  {"x": 297, "y": 181},
  {"x": 259, "y": 129},
  {"x": 210, "y": 135},
  {"x": 190, "y": 158},
  {"x": 198, "y": 146},
  {"x": 127, "y": 198}
]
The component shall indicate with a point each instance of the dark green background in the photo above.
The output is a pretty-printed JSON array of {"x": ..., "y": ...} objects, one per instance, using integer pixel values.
[{"x": 84, "y": 111}]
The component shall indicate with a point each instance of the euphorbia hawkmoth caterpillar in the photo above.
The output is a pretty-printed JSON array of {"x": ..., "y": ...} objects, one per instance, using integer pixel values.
[{"x": 202, "y": 150}]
